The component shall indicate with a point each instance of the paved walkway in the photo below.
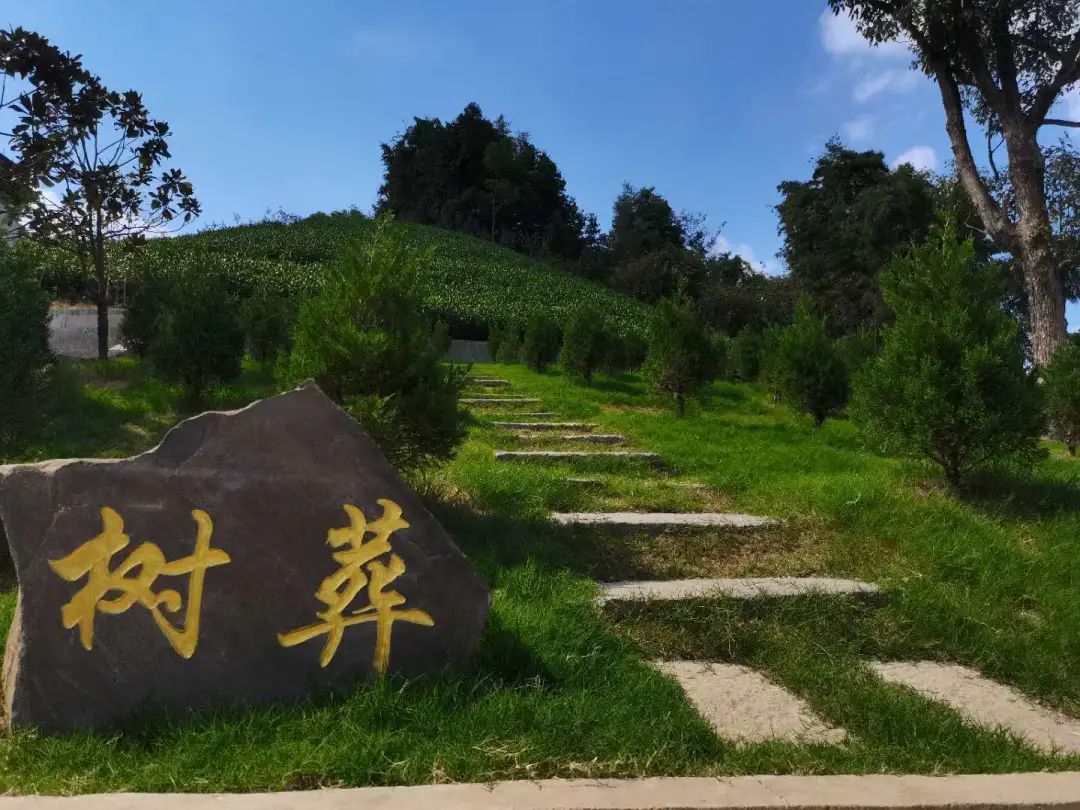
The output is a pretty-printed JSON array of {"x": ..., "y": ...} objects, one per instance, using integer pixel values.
[{"x": 1017, "y": 791}]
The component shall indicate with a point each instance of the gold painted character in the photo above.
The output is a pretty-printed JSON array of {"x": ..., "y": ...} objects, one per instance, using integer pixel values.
[
  {"x": 92, "y": 559},
  {"x": 359, "y": 570}
]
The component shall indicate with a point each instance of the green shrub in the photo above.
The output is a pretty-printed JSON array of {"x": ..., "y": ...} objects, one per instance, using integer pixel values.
[
  {"x": 144, "y": 306},
  {"x": 197, "y": 339},
  {"x": 24, "y": 335},
  {"x": 950, "y": 383},
  {"x": 367, "y": 343},
  {"x": 858, "y": 349},
  {"x": 745, "y": 354},
  {"x": 804, "y": 367},
  {"x": 583, "y": 345},
  {"x": 267, "y": 320},
  {"x": 496, "y": 335},
  {"x": 682, "y": 354},
  {"x": 509, "y": 345},
  {"x": 1061, "y": 384},
  {"x": 540, "y": 345}
]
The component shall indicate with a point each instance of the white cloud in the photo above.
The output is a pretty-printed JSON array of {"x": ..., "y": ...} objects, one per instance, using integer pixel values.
[
  {"x": 1068, "y": 105},
  {"x": 840, "y": 37},
  {"x": 921, "y": 158},
  {"x": 746, "y": 253},
  {"x": 885, "y": 81},
  {"x": 859, "y": 129}
]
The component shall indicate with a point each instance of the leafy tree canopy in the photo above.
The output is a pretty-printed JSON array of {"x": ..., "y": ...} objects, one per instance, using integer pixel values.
[
  {"x": 841, "y": 227},
  {"x": 472, "y": 175}
]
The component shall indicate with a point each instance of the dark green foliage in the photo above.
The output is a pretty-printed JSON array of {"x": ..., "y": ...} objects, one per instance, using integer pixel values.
[
  {"x": 367, "y": 343},
  {"x": 841, "y": 227},
  {"x": 267, "y": 319},
  {"x": 1061, "y": 384},
  {"x": 682, "y": 356},
  {"x": 749, "y": 300},
  {"x": 24, "y": 335},
  {"x": 583, "y": 344},
  {"x": 197, "y": 339},
  {"x": 805, "y": 368},
  {"x": 744, "y": 355},
  {"x": 540, "y": 345},
  {"x": 950, "y": 383},
  {"x": 142, "y": 312},
  {"x": 621, "y": 354},
  {"x": 509, "y": 345},
  {"x": 857, "y": 349},
  {"x": 472, "y": 175}
]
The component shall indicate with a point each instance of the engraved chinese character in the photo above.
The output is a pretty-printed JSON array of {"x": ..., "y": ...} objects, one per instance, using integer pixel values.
[
  {"x": 359, "y": 569},
  {"x": 92, "y": 560}
]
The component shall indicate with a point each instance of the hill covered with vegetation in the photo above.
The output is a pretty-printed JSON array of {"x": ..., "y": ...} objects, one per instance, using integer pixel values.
[{"x": 468, "y": 282}]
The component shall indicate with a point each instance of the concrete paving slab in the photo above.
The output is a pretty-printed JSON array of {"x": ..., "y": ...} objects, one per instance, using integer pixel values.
[
  {"x": 574, "y": 455},
  {"x": 584, "y": 438},
  {"x": 986, "y": 703},
  {"x": 581, "y": 426},
  {"x": 487, "y": 382},
  {"x": 658, "y": 522},
  {"x": 1014, "y": 791},
  {"x": 742, "y": 588},
  {"x": 743, "y": 705},
  {"x": 498, "y": 400}
]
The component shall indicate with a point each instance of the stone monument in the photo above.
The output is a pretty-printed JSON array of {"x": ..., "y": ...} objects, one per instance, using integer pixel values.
[{"x": 254, "y": 555}]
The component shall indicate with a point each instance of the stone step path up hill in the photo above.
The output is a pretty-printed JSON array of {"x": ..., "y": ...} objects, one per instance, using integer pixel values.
[
  {"x": 659, "y": 522},
  {"x": 582, "y": 438},
  {"x": 545, "y": 426},
  {"x": 498, "y": 400},
  {"x": 575, "y": 455},
  {"x": 487, "y": 382},
  {"x": 666, "y": 590},
  {"x": 742, "y": 705}
]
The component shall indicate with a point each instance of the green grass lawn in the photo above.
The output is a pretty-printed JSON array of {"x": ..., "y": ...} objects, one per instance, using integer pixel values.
[{"x": 558, "y": 688}]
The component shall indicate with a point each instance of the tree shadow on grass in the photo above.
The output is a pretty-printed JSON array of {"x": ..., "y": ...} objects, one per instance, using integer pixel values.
[{"x": 1011, "y": 496}]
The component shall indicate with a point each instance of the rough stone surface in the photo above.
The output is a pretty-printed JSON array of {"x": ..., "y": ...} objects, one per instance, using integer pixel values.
[
  {"x": 487, "y": 382},
  {"x": 535, "y": 414},
  {"x": 662, "y": 521},
  {"x": 498, "y": 400},
  {"x": 743, "y": 705},
  {"x": 592, "y": 438},
  {"x": 274, "y": 479},
  {"x": 986, "y": 703},
  {"x": 746, "y": 588},
  {"x": 570, "y": 455},
  {"x": 1011, "y": 791},
  {"x": 544, "y": 425}
]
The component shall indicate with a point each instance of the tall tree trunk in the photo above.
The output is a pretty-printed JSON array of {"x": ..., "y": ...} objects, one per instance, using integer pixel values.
[{"x": 1043, "y": 281}]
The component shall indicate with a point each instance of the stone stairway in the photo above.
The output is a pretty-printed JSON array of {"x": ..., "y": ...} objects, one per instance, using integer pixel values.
[{"x": 740, "y": 703}]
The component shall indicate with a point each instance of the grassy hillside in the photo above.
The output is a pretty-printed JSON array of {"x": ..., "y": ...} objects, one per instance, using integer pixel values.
[{"x": 470, "y": 281}]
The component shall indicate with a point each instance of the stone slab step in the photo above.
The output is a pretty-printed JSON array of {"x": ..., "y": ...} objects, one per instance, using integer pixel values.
[
  {"x": 487, "y": 382},
  {"x": 544, "y": 425},
  {"x": 744, "y": 706},
  {"x": 986, "y": 702},
  {"x": 574, "y": 455},
  {"x": 743, "y": 588},
  {"x": 535, "y": 414},
  {"x": 663, "y": 521},
  {"x": 498, "y": 400},
  {"x": 585, "y": 438}
]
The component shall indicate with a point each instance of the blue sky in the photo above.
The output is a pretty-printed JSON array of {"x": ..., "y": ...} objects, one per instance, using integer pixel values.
[{"x": 713, "y": 102}]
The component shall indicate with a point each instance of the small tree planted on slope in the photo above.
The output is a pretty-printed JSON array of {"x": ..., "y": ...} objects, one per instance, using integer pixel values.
[
  {"x": 583, "y": 344},
  {"x": 806, "y": 369},
  {"x": 24, "y": 335},
  {"x": 367, "y": 342},
  {"x": 950, "y": 383},
  {"x": 197, "y": 339},
  {"x": 540, "y": 345},
  {"x": 682, "y": 355},
  {"x": 1061, "y": 382}
]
